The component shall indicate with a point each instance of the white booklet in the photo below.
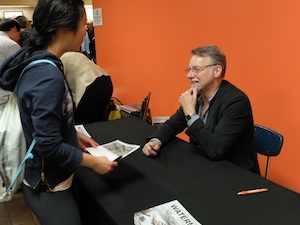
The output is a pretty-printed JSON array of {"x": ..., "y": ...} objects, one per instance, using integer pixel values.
[
  {"x": 170, "y": 213},
  {"x": 81, "y": 129},
  {"x": 114, "y": 150}
]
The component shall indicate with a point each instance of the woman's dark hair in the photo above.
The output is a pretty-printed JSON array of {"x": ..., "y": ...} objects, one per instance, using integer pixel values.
[
  {"x": 26, "y": 36},
  {"x": 52, "y": 15},
  {"x": 49, "y": 17}
]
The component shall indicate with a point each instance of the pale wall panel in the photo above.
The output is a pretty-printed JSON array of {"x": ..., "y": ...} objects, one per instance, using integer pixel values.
[{"x": 30, "y": 2}]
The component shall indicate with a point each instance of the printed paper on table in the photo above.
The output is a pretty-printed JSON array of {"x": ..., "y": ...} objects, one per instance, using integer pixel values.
[
  {"x": 113, "y": 150},
  {"x": 170, "y": 213}
]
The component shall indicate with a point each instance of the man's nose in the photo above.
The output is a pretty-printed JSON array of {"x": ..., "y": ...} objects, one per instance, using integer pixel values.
[{"x": 190, "y": 74}]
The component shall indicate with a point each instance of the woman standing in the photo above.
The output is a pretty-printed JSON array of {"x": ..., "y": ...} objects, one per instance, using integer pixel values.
[{"x": 46, "y": 109}]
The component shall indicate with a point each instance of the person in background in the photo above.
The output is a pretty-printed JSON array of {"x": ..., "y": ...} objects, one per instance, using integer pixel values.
[
  {"x": 85, "y": 46},
  {"x": 46, "y": 110},
  {"x": 24, "y": 23},
  {"x": 217, "y": 115},
  {"x": 9, "y": 35},
  {"x": 91, "y": 87},
  {"x": 91, "y": 34}
]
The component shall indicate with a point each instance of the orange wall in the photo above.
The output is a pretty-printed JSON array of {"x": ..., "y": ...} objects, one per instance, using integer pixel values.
[{"x": 145, "y": 46}]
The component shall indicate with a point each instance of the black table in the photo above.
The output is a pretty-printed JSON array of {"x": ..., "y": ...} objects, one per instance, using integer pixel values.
[{"x": 208, "y": 190}]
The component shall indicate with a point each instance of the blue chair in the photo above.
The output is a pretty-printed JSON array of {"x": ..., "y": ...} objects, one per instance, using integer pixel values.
[{"x": 267, "y": 142}]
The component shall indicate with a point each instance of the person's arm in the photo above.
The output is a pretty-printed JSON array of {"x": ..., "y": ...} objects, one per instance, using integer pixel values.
[
  {"x": 226, "y": 122},
  {"x": 99, "y": 164},
  {"x": 152, "y": 147},
  {"x": 85, "y": 141},
  {"x": 47, "y": 122},
  {"x": 175, "y": 125}
]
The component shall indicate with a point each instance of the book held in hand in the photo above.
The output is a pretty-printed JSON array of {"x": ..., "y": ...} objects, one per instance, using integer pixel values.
[
  {"x": 170, "y": 213},
  {"x": 113, "y": 150}
]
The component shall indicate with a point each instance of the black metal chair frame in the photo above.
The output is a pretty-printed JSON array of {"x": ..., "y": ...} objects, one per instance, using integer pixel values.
[{"x": 267, "y": 142}]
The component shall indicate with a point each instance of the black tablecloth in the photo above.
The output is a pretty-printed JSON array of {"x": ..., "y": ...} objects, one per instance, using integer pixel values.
[{"x": 208, "y": 190}]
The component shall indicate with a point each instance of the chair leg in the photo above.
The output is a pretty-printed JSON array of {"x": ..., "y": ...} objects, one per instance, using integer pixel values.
[{"x": 267, "y": 168}]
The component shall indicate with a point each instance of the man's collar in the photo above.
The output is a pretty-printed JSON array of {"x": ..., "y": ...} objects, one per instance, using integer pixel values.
[
  {"x": 200, "y": 99},
  {"x": 2, "y": 33}
]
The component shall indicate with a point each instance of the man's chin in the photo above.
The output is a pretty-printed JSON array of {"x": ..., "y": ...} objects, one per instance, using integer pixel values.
[{"x": 195, "y": 86}]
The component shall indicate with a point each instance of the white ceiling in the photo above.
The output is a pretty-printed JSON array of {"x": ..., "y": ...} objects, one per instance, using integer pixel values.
[{"x": 31, "y": 3}]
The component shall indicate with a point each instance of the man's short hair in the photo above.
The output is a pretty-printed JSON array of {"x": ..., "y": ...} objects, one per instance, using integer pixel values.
[
  {"x": 8, "y": 24},
  {"x": 23, "y": 21},
  {"x": 216, "y": 55}
]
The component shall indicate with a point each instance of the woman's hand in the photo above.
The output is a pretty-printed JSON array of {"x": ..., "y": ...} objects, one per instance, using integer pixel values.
[
  {"x": 85, "y": 141},
  {"x": 103, "y": 165},
  {"x": 100, "y": 164}
]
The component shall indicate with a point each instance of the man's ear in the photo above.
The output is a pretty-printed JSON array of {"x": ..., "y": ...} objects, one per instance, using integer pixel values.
[{"x": 218, "y": 71}]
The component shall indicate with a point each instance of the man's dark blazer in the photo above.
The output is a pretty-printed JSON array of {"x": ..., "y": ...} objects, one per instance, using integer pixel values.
[{"x": 228, "y": 133}]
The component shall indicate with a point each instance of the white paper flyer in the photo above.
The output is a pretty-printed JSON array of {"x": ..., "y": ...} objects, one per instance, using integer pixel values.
[
  {"x": 113, "y": 150},
  {"x": 170, "y": 213}
]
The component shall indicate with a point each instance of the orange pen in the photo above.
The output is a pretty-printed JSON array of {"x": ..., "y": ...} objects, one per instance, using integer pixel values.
[{"x": 248, "y": 192}]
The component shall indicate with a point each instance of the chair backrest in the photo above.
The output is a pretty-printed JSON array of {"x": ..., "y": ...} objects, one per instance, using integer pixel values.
[
  {"x": 267, "y": 142},
  {"x": 145, "y": 107}
]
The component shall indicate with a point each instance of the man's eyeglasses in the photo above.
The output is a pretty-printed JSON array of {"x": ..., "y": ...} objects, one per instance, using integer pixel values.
[{"x": 198, "y": 69}]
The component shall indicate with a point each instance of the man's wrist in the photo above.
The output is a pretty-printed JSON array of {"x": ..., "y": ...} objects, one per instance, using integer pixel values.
[
  {"x": 157, "y": 140},
  {"x": 190, "y": 116},
  {"x": 193, "y": 118}
]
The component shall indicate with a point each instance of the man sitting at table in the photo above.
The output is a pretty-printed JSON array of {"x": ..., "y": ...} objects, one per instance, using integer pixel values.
[{"x": 217, "y": 115}]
